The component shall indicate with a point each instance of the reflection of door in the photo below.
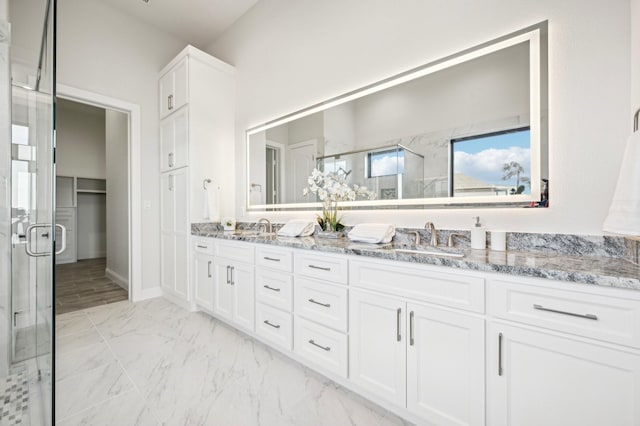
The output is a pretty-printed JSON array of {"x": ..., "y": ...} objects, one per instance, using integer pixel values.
[
  {"x": 302, "y": 160},
  {"x": 272, "y": 175}
]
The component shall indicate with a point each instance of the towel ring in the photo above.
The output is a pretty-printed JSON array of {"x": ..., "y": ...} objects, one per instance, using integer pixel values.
[{"x": 205, "y": 182}]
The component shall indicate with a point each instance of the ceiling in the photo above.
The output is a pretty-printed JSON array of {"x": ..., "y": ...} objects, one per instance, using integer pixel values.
[{"x": 197, "y": 22}]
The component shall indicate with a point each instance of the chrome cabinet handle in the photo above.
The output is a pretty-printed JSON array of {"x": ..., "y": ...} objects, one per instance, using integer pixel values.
[
  {"x": 399, "y": 314},
  {"x": 228, "y": 279},
  {"x": 272, "y": 325},
  {"x": 170, "y": 182},
  {"x": 170, "y": 159},
  {"x": 170, "y": 102},
  {"x": 499, "y": 354},
  {"x": 411, "y": 341},
  {"x": 586, "y": 316},
  {"x": 233, "y": 282},
  {"x": 326, "y": 305},
  {"x": 209, "y": 269},
  {"x": 326, "y": 348},
  {"x": 320, "y": 267},
  {"x": 199, "y": 246},
  {"x": 271, "y": 288},
  {"x": 273, "y": 259}
]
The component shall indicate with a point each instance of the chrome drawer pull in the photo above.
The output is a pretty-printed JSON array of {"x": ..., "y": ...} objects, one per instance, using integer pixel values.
[
  {"x": 204, "y": 247},
  {"x": 499, "y": 354},
  {"x": 273, "y": 259},
  {"x": 320, "y": 267},
  {"x": 586, "y": 316},
  {"x": 398, "y": 318},
  {"x": 411, "y": 341},
  {"x": 326, "y": 305},
  {"x": 272, "y": 325},
  {"x": 326, "y": 348},
  {"x": 271, "y": 288}
]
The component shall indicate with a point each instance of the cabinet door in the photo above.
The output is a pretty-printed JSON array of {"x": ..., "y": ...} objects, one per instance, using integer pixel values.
[
  {"x": 166, "y": 93},
  {"x": 542, "y": 379},
  {"x": 203, "y": 280},
  {"x": 223, "y": 290},
  {"x": 244, "y": 296},
  {"x": 174, "y": 88},
  {"x": 167, "y": 214},
  {"x": 167, "y": 258},
  {"x": 445, "y": 366},
  {"x": 377, "y": 351},
  {"x": 174, "y": 141}
]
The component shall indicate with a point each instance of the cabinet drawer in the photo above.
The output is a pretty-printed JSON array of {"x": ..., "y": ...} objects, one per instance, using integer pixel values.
[
  {"x": 235, "y": 251},
  {"x": 276, "y": 258},
  {"x": 274, "y": 288},
  {"x": 420, "y": 283},
  {"x": 274, "y": 325},
  {"x": 203, "y": 245},
  {"x": 600, "y": 317},
  {"x": 321, "y": 302},
  {"x": 321, "y": 346},
  {"x": 324, "y": 267}
]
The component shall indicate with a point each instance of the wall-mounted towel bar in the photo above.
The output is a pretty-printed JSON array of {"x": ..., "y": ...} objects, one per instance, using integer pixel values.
[{"x": 635, "y": 120}]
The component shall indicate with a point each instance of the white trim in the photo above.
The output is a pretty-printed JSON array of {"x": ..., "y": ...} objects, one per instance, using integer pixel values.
[
  {"x": 134, "y": 167},
  {"x": 149, "y": 293},
  {"x": 117, "y": 278}
]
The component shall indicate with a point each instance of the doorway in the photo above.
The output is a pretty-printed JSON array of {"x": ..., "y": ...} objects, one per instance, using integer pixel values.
[{"x": 91, "y": 202}]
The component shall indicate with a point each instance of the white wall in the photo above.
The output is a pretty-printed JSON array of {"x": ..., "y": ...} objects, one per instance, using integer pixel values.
[
  {"x": 292, "y": 54},
  {"x": 80, "y": 140},
  {"x": 117, "y": 155},
  {"x": 104, "y": 51}
]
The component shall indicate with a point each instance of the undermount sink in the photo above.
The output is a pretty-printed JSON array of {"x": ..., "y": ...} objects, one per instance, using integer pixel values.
[{"x": 433, "y": 251}]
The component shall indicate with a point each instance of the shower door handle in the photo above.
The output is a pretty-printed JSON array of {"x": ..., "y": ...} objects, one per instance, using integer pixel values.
[
  {"x": 29, "y": 232},
  {"x": 63, "y": 241}
]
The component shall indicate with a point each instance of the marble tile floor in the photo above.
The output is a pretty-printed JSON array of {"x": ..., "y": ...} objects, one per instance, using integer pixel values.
[{"x": 153, "y": 363}]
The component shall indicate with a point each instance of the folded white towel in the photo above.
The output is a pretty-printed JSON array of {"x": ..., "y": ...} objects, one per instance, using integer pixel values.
[
  {"x": 211, "y": 205},
  {"x": 372, "y": 233},
  {"x": 297, "y": 228}
]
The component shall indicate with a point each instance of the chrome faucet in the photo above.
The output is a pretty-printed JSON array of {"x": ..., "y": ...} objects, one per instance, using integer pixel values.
[
  {"x": 266, "y": 223},
  {"x": 433, "y": 242},
  {"x": 450, "y": 241},
  {"x": 417, "y": 239}
]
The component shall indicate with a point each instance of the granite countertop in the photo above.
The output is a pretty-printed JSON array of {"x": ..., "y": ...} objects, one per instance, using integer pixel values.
[{"x": 603, "y": 271}]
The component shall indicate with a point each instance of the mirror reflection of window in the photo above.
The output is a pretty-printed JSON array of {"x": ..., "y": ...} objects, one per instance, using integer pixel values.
[
  {"x": 497, "y": 163},
  {"x": 385, "y": 163}
]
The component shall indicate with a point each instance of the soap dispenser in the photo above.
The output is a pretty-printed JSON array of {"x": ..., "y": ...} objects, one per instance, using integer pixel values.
[{"x": 478, "y": 235}]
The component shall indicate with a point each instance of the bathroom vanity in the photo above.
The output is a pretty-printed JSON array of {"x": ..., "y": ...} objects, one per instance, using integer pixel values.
[{"x": 478, "y": 340}]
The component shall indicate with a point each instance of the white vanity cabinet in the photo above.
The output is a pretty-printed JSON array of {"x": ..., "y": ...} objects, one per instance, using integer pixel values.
[
  {"x": 427, "y": 358},
  {"x": 203, "y": 272},
  {"x": 274, "y": 296},
  {"x": 320, "y": 306},
  {"x": 562, "y": 356},
  {"x": 196, "y": 93},
  {"x": 233, "y": 297}
]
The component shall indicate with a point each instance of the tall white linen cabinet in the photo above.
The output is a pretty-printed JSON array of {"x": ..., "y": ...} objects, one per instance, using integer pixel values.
[{"x": 197, "y": 107}]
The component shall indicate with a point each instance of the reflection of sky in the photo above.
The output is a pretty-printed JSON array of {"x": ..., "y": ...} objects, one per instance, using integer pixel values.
[
  {"x": 484, "y": 158},
  {"x": 387, "y": 163}
]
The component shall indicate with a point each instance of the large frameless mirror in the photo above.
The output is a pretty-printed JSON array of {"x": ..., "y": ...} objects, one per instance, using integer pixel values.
[{"x": 464, "y": 131}]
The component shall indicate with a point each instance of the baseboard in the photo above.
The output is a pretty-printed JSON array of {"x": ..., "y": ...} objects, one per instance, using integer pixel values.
[
  {"x": 147, "y": 293},
  {"x": 117, "y": 278}
]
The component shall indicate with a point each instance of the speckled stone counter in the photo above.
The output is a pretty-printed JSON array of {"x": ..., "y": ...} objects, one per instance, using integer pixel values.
[{"x": 595, "y": 270}]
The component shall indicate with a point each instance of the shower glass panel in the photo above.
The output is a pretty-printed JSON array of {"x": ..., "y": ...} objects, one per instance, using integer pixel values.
[{"x": 33, "y": 202}]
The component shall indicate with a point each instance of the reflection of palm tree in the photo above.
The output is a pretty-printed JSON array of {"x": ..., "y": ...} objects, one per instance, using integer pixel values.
[{"x": 513, "y": 168}]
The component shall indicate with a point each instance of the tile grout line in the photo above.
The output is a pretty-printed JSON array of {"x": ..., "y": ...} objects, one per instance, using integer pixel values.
[{"x": 124, "y": 370}]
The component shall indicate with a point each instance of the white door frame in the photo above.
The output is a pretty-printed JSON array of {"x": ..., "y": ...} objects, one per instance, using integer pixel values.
[{"x": 133, "y": 171}]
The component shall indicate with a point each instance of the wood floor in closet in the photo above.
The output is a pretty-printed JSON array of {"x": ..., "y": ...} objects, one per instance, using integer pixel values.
[{"x": 84, "y": 285}]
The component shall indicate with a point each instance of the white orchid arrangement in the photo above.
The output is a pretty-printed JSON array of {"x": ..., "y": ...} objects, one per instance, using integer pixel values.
[{"x": 331, "y": 188}]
